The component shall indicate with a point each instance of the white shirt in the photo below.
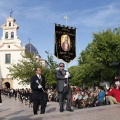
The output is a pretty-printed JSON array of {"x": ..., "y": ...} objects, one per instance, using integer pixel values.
[{"x": 39, "y": 76}]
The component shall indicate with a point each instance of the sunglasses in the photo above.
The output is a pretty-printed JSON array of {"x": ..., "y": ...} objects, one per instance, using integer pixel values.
[{"x": 62, "y": 66}]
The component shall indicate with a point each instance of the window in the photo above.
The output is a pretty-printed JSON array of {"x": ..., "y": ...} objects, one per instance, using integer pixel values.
[
  {"x": 9, "y": 23},
  {"x": 6, "y": 35},
  {"x": 12, "y": 34},
  {"x": 8, "y": 46},
  {"x": 7, "y": 58}
]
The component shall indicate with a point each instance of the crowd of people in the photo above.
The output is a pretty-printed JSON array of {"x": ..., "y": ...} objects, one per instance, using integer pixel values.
[
  {"x": 23, "y": 95},
  {"x": 81, "y": 97},
  {"x": 85, "y": 98}
]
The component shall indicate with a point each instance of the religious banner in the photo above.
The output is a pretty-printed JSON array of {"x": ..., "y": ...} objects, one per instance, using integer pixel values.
[{"x": 65, "y": 42}]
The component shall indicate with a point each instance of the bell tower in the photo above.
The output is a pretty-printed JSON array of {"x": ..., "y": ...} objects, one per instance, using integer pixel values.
[
  {"x": 10, "y": 29},
  {"x": 10, "y": 32},
  {"x": 10, "y": 50}
]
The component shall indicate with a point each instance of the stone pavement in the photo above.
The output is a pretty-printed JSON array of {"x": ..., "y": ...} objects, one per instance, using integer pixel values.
[{"x": 15, "y": 110}]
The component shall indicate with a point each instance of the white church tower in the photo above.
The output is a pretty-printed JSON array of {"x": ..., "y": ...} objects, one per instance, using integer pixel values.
[{"x": 10, "y": 51}]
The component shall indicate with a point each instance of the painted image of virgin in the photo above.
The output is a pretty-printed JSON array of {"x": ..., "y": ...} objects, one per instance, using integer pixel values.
[{"x": 65, "y": 42}]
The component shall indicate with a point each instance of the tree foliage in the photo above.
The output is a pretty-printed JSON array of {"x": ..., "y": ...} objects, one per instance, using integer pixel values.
[
  {"x": 24, "y": 69},
  {"x": 94, "y": 62},
  {"x": 50, "y": 71}
]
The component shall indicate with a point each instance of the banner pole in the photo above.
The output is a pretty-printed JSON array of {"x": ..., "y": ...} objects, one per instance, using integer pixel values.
[{"x": 66, "y": 18}]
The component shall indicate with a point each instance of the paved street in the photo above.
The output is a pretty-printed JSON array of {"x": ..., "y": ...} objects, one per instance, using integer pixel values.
[{"x": 15, "y": 110}]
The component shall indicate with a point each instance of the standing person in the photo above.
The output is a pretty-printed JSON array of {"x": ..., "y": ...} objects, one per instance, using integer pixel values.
[
  {"x": 0, "y": 98},
  {"x": 16, "y": 94},
  {"x": 38, "y": 86},
  {"x": 30, "y": 98},
  {"x": 26, "y": 93},
  {"x": 63, "y": 88}
]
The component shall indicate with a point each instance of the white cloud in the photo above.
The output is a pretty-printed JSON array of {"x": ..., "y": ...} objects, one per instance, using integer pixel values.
[{"x": 101, "y": 16}]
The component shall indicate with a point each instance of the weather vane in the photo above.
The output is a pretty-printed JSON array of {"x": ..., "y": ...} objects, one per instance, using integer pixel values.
[{"x": 11, "y": 12}]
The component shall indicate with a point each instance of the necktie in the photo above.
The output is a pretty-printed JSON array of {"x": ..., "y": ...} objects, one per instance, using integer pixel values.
[
  {"x": 39, "y": 76},
  {"x": 63, "y": 72}
]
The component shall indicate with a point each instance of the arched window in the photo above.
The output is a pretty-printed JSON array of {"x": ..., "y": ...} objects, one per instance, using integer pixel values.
[
  {"x": 12, "y": 34},
  {"x": 6, "y": 35},
  {"x": 7, "y": 85},
  {"x": 9, "y": 23}
]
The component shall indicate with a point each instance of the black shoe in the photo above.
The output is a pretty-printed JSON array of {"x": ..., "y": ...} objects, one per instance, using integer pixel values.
[
  {"x": 70, "y": 110},
  {"x": 42, "y": 113},
  {"x": 61, "y": 109},
  {"x": 35, "y": 113}
]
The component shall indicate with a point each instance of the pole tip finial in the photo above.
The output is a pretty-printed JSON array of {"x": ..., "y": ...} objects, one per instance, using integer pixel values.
[{"x": 11, "y": 12}]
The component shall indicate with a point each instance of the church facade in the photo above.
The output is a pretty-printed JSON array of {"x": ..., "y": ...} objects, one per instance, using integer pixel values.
[{"x": 11, "y": 52}]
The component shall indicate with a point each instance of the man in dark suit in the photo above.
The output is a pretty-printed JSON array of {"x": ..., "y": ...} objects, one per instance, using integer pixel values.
[
  {"x": 38, "y": 86},
  {"x": 63, "y": 88}
]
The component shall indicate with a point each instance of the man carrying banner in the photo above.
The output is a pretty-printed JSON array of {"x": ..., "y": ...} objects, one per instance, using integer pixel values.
[{"x": 63, "y": 88}]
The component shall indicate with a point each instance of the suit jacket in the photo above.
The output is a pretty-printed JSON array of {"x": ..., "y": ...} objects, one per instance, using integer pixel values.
[
  {"x": 34, "y": 84},
  {"x": 61, "y": 80}
]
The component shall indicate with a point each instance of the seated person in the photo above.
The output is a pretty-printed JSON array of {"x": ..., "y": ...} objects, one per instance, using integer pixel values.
[
  {"x": 113, "y": 95},
  {"x": 78, "y": 100},
  {"x": 95, "y": 99},
  {"x": 101, "y": 96},
  {"x": 74, "y": 97},
  {"x": 89, "y": 100},
  {"x": 84, "y": 100}
]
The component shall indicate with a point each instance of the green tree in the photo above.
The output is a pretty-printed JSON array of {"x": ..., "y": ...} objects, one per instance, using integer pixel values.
[
  {"x": 95, "y": 60},
  {"x": 24, "y": 69},
  {"x": 50, "y": 71},
  {"x": 106, "y": 47},
  {"x": 75, "y": 71}
]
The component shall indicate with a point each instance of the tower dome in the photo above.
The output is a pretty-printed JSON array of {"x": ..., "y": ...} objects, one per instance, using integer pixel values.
[{"x": 30, "y": 48}]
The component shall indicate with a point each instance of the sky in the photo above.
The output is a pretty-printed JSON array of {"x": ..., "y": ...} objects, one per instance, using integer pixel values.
[{"x": 36, "y": 19}]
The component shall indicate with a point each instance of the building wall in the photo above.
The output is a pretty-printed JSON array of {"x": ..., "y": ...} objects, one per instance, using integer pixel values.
[
  {"x": 12, "y": 46},
  {"x": 15, "y": 56}
]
